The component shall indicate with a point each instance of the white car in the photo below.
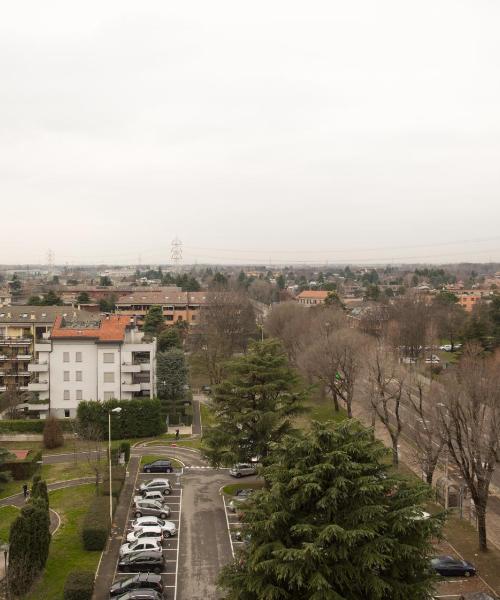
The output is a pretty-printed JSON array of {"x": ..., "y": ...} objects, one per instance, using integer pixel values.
[
  {"x": 167, "y": 527},
  {"x": 242, "y": 470},
  {"x": 145, "y": 532},
  {"x": 140, "y": 546},
  {"x": 159, "y": 484},
  {"x": 445, "y": 347},
  {"x": 432, "y": 360}
]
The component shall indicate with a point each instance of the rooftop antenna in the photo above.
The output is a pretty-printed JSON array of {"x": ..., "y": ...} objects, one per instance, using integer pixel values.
[{"x": 176, "y": 252}]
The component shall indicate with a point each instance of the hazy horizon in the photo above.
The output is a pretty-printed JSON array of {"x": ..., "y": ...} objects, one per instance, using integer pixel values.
[{"x": 267, "y": 133}]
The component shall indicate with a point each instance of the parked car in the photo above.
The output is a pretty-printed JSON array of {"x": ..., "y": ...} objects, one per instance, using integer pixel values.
[
  {"x": 206, "y": 389},
  {"x": 242, "y": 470},
  {"x": 143, "y": 594},
  {"x": 477, "y": 596},
  {"x": 140, "y": 546},
  {"x": 145, "y": 532},
  {"x": 149, "y": 581},
  {"x": 447, "y": 565},
  {"x": 156, "y": 495},
  {"x": 158, "y": 466},
  {"x": 445, "y": 347},
  {"x": 433, "y": 359},
  {"x": 240, "y": 498},
  {"x": 150, "y": 508},
  {"x": 168, "y": 528},
  {"x": 148, "y": 561},
  {"x": 162, "y": 485}
]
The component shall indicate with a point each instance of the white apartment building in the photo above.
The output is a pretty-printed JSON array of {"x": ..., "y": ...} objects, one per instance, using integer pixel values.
[{"x": 92, "y": 360}]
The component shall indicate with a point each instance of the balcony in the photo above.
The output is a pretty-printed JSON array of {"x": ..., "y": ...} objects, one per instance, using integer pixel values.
[
  {"x": 15, "y": 341},
  {"x": 21, "y": 357},
  {"x": 3, "y": 388},
  {"x": 38, "y": 386},
  {"x": 145, "y": 366},
  {"x": 146, "y": 387},
  {"x": 38, "y": 367},
  {"x": 130, "y": 368},
  {"x": 42, "y": 346},
  {"x": 131, "y": 387}
]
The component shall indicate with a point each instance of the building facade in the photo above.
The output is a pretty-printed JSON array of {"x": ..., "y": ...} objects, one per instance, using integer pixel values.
[
  {"x": 93, "y": 360},
  {"x": 312, "y": 297}
]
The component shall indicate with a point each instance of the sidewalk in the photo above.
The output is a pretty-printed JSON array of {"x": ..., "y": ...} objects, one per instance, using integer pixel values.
[
  {"x": 407, "y": 457},
  {"x": 107, "y": 566}
]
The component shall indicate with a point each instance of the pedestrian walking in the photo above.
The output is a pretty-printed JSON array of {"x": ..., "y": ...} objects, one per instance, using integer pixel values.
[
  {"x": 25, "y": 491},
  {"x": 177, "y": 434}
]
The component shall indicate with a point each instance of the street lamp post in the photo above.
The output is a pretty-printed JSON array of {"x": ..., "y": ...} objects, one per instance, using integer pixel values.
[{"x": 114, "y": 410}]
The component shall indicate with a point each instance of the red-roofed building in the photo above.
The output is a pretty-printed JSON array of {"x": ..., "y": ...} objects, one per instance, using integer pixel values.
[
  {"x": 312, "y": 297},
  {"x": 95, "y": 359}
]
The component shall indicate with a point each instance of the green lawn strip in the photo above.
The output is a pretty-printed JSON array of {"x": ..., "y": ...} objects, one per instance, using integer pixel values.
[
  {"x": 7, "y": 516},
  {"x": 318, "y": 409},
  {"x": 66, "y": 549},
  {"x": 195, "y": 443},
  {"x": 232, "y": 488},
  {"x": 152, "y": 457}
]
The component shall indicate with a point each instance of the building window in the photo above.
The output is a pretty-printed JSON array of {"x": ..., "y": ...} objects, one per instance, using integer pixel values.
[
  {"x": 66, "y": 413},
  {"x": 169, "y": 317},
  {"x": 65, "y": 356},
  {"x": 78, "y": 376},
  {"x": 108, "y": 357},
  {"x": 79, "y": 395},
  {"x": 66, "y": 395},
  {"x": 78, "y": 357},
  {"x": 109, "y": 377},
  {"x": 108, "y": 395},
  {"x": 66, "y": 375}
]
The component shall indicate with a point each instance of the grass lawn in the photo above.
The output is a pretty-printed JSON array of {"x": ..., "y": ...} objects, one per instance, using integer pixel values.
[
  {"x": 232, "y": 488},
  {"x": 7, "y": 516},
  {"x": 196, "y": 443},
  {"x": 318, "y": 409},
  {"x": 151, "y": 457},
  {"x": 52, "y": 473},
  {"x": 66, "y": 549}
]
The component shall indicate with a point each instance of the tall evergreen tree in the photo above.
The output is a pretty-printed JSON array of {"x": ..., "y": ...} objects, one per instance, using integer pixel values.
[
  {"x": 253, "y": 404},
  {"x": 333, "y": 524},
  {"x": 154, "y": 320}
]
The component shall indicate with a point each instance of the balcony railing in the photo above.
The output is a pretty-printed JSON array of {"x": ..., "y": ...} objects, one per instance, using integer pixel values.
[{"x": 14, "y": 341}]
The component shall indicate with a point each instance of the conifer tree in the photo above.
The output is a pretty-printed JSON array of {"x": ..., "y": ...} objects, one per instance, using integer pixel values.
[
  {"x": 333, "y": 524},
  {"x": 253, "y": 405}
]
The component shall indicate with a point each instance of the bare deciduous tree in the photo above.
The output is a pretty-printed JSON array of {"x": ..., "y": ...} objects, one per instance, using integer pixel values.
[
  {"x": 226, "y": 324},
  {"x": 386, "y": 381},
  {"x": 336, "y": 358},
  {"x": 422, "y": 399},
  {"x": 91, "y": 435},
  {"x": 470, "y": 426},
  {"x": 290, "y": 323}
]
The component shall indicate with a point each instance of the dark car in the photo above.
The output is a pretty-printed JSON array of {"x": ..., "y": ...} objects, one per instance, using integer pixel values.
[
  {"x": 447, "y": 565},
  {"x": 142, "y": 562},
  {"x": 158, "y": 466},
  {"x": 144, "y": 594},
  {"x": 139, "y": 581}
]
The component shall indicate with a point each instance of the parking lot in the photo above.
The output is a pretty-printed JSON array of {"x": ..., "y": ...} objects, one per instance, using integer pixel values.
[
  {"x": 171, "y": 544},
  {"x": 233, "y": 525}
]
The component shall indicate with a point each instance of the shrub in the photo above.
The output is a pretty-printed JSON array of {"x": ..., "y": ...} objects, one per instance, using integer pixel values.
[
  {"x": 118, "y": 475},
  {"x": 39, "y": 490},
  {"x": 79, "y": 585},
  {"x": 23, "y": 469},
  {"x": 31, "y": 425},
  {"x": 125, "y": 448},
  {"x": 138, "y": 418},
  {"x": 96, "y": 525},
  {"x": 52, "y": 433}
]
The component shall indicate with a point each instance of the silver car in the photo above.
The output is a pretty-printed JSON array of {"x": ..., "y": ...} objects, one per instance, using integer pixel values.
[
  {"x": 168, "y": 528},
  {"x": 150, "y": 508},
  {"x": 242, "y": 470},
  {"x": 155, "y": 495},
  {"x": 140, "y": 546},
  {"x": 160, "y": 484}
]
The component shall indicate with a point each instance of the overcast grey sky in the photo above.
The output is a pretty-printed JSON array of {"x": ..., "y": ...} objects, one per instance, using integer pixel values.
[{"x": 295, "y": 131}]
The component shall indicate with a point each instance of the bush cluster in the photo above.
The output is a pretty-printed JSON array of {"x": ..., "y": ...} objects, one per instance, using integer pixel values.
[
  {"x": 96, "y": 525},
  {"x": 52, "y": 433},
  {"x": 79, "y": 585},
  {"x": 138, "y": 418},
  {"x": 118, "y": 475},
  {"x": 22, "y": 469},
  {"x": 31, "y": 425}
]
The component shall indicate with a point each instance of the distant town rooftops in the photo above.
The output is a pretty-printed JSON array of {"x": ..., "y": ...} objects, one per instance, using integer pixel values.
[
  {"x": 162, "y": 297},
  {"x": 314, "y": 294},
  {"x": 40, "y": 314}
]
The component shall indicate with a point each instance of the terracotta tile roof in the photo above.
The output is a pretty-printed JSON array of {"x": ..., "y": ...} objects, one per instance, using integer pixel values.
[
  {"x": 107, "y": 329},
  {"x": 163, "y": 297},
  {"x": 318, "y": 294}
]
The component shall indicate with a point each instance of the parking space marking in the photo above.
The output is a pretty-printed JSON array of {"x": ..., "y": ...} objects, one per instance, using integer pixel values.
[
  {"x": 178, "y": 545},
  {"x": 228, "y": 528}
]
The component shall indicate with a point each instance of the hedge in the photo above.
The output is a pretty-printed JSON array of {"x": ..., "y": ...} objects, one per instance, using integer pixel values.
[
  {"x": 23, "y": 469},
  {"x": 138, "y": 417},
  {"x": 118, "y": 475},
  {"x": 96, "y": 525},
  {"x": 79, "y": 585},
  {"x": 31, "y": 425}
]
